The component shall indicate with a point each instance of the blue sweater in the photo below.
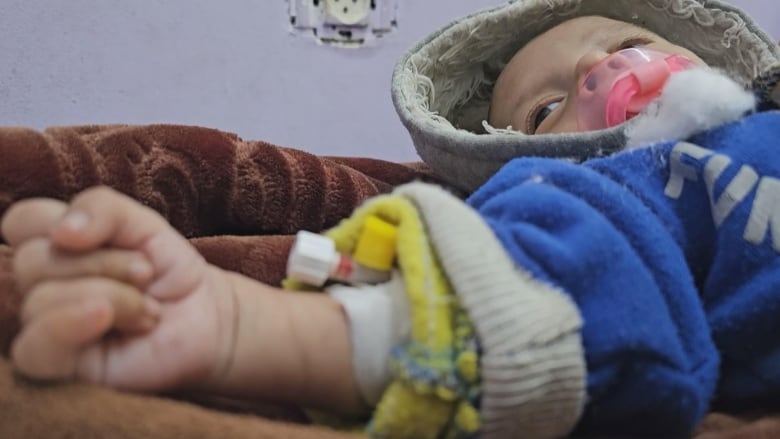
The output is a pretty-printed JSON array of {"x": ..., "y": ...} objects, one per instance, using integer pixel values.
[{"x": 671, "y": 254}]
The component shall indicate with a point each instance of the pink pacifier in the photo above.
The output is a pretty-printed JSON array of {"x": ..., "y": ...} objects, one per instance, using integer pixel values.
[{"x": 622, "y": 84}]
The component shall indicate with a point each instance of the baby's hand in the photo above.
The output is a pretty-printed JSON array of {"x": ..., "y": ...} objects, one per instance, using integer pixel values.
[{"x": 113, "y": 295}]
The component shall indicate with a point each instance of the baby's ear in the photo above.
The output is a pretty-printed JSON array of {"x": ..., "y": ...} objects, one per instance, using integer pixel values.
[{"x": 691, "y": 102}]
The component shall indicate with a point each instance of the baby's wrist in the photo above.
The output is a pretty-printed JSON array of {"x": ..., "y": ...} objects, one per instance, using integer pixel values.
[
  {"x": 220, "y": 357},
  {"x": 283, "y": 346}
]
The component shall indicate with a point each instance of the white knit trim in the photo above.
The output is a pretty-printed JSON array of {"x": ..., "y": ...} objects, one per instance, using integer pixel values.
[{"x": 533, "y": 363}]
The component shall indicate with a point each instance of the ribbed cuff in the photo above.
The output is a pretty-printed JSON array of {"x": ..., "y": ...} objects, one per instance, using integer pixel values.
[{"x": 533, "y": 364}]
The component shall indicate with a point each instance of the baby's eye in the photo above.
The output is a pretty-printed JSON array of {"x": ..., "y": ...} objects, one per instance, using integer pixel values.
[
  {"x": 631, "y": 43},
  {"x": 541, "y": 114}
]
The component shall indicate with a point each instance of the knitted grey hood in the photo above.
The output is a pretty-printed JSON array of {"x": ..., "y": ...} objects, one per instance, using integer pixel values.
[{"x": 442, "y": 86}]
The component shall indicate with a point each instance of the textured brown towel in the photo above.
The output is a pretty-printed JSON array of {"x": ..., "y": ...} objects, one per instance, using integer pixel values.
[
  {"x": 206, "y": 182},
  {"x": 209, "y": 184}
]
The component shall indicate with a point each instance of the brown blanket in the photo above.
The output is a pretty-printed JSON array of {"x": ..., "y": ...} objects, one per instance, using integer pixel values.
[{"x": 239, "y": 201}]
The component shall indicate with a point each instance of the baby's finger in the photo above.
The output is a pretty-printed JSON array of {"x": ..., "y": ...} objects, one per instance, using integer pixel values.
[
  {"x": 31, "y": 218},
  {"x": 49, "y": 347},
  {"x": 102, "y": 216},
  {"x": 132, "y": 311},
  {"x": 37, "y": 260}
]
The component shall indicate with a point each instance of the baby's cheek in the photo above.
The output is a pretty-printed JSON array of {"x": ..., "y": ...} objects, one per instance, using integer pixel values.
[
  {"x": 499, "y": 117},
  {"x": 679, "y": 50},
  {"x": 562, "y": 121},
  {"x": 565, "y": 125}
]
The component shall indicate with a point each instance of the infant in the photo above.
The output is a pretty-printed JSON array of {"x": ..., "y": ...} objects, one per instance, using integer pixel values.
[{"x": 115, "y": 296}]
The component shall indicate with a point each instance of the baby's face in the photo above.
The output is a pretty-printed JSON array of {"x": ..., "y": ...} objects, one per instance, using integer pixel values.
[{"x": 537, "y": 91}]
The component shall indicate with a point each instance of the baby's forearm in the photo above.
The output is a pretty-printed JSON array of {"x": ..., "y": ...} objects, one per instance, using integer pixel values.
[{"x": 289, "y": 347}]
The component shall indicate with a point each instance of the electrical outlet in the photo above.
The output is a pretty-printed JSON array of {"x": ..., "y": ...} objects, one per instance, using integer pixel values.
[
  {"x": 347, "y": 12},
  {"x": 347, "y": 23}
]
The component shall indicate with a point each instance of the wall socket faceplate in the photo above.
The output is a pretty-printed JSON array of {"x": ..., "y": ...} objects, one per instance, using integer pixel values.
[
  {"x": 349, "y": 23},
  {"x": 346, "y": 12}
]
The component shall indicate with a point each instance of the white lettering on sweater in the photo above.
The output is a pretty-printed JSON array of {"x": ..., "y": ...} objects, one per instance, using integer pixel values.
[{"x": 765, "y": 211}]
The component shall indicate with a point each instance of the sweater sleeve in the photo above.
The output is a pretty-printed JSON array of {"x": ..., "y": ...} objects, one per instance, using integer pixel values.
[
  {"x": 723, "y": 188},
  {"x": 652, "y": 365},
  {"x": 670, "y": 253},
  {"x": 735, "y": 172}
]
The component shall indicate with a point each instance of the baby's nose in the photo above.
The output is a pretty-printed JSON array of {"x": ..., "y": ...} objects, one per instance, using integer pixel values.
[{"x": 586, "y": 63}]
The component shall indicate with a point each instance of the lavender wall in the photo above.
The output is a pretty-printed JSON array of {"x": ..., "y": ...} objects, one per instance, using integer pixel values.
[
  {"x": 235, "y": 67},
  {"x": 765, "y": 12}
]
